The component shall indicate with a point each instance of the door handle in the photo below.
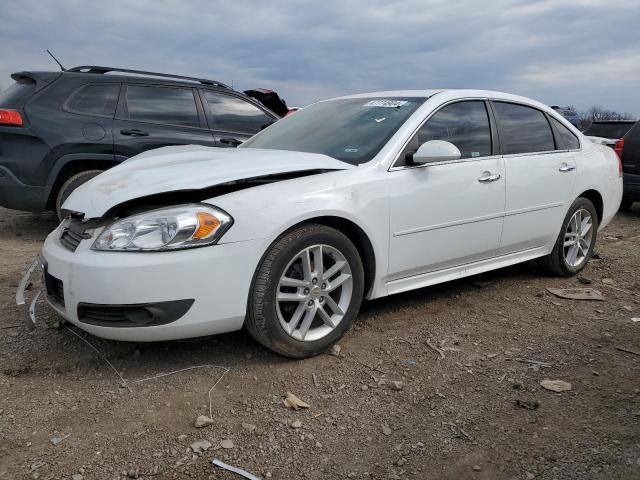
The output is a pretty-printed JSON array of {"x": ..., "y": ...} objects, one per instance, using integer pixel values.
[
  {"x": 488, "y": 177},
  {"x": 134, "y": 132},
  {"x": 565, "y": 167},
  {"x": 234, "y": 142}
]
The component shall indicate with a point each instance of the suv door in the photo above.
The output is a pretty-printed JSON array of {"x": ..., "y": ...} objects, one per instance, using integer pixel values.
[
  {"x": 232, "y": 118},
  {"x": 151, "y": 116},
  {"x": 447, "y": 214},
  {"x": 540, "y": 175}
]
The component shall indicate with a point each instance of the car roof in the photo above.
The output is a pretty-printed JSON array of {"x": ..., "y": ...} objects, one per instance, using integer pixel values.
[{"x": 452, "y": 94}]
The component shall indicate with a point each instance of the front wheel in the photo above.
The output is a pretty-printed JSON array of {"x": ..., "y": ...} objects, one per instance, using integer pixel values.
[
  {"x": 306, "y": 291},
  {"x": 576, "y": 241}
]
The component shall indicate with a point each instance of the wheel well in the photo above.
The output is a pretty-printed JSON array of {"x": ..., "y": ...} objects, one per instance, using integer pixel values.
[
  {"x": 70, "y": 169},
  {"x": 595, "y": 198},
  {"x": 359, "y": 239}
]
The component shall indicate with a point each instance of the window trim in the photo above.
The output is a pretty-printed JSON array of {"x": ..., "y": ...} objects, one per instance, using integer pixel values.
[
  {"x": 213, "y": 125},
  {"x": 495, "y": 149},
  {"x": 66, "y": 108},
  {"x": 122, "y": 111}
]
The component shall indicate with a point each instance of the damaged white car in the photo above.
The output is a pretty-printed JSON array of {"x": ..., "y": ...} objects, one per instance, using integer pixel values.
[{"x": 350, "y": 198}]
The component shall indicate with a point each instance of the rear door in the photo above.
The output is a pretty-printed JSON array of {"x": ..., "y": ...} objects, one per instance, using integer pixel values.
[
  {"x": 540, "y": 174},
  {"x": 233, "y": 118},
  {"x": 153, "y": 116}
]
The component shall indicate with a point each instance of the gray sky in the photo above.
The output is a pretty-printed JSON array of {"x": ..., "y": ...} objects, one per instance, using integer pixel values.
[{"x": 580, "y": 52}]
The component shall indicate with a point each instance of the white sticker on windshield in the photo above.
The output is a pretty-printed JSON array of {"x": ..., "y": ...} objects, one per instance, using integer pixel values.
[{"x": 386, "y": 103}]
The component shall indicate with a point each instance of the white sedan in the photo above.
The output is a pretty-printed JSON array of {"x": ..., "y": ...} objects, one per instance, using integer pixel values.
[{"x": 356, "y": 197}]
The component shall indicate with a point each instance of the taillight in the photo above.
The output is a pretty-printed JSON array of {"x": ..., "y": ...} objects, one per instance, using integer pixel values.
[
  {"x": 618, "y": 147},
  {"x": 10, "y": 117}
]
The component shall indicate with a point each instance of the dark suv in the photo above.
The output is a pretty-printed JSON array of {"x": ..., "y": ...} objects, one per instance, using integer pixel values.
[
  {"x": 624, "y": 138},
  {"x": 59, "y": 129}
]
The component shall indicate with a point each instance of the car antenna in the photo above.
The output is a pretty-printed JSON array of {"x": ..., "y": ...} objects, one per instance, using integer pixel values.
[{"x": 56, "y": 60}]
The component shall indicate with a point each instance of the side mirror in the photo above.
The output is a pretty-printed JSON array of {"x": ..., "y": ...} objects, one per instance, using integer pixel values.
[{"x": 435, "y": 151}]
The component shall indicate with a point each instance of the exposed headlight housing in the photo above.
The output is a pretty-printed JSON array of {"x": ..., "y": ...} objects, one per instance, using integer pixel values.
[{"x": 174, "y": 228}]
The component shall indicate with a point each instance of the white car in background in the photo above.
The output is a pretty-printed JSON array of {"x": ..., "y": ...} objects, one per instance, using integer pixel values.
[{"x": 356, "y": 197}]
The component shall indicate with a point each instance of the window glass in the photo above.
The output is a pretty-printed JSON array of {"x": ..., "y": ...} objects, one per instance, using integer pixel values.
[
  {"x": 465, "y": 124},
  {"x": 233, "y": 114},
  {"x": 95, "y": 100},
  {"x": 171, "y": 106},
  {"x": 353, "y": 130},
  {"x": 523, "y": 129},
  {"x": 567, "y": 140}
]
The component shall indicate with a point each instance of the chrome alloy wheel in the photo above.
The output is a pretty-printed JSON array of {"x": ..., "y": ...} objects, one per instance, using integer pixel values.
[
  {"x": 578, "y": 238},
  {"x": 314, "y": 293}
]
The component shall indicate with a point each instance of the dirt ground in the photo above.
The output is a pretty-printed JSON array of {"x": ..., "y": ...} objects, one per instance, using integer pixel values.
[{"x": 451, "y": 414}]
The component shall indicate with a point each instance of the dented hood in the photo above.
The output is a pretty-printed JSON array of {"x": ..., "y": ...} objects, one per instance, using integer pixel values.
[{"x": 184, "y": 168}]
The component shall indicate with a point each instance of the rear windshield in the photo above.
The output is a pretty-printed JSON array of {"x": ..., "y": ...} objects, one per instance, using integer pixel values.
[
  {"x": 353, "y": 130},
  {"x": 608, "y": 130},
  {"x": 17, "y": 94}
]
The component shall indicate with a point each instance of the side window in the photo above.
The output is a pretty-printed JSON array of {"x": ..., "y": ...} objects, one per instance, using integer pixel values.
[
  {"x": 465, "y": 124},
  {"x": 233, "y": 114},
  {"x": 523, "y": 129},
  {"x": 165, "y": 105},
  {"x": 96, "y": 99},
  {"x": 568, "y": 141}
]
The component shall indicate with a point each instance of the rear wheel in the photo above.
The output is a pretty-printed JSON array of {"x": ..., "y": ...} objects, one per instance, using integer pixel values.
[
  {"x": 70, "y": 185},
  {"x": 576, "y": 241},
  {"x": 626, "y": 204},
  {"x": 306, "y": 292}
]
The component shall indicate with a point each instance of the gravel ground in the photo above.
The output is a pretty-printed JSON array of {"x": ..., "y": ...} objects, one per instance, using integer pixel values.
[{"x": 429, "y": 384}]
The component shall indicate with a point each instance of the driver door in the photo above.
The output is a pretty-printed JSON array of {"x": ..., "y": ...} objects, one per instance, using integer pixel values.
[{"x": 447, "y": 214}]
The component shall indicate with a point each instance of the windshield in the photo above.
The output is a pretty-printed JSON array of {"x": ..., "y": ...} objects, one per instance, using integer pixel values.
[{"x": 353, "y": 130}]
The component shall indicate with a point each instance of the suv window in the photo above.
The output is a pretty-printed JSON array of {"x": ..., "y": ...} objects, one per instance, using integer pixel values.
[
  {"x": 95, "y": 100},
  {"x": 232, "y": 114},
  {"x": 523, "y": 129},
  {"x": 567, "y": 140},
  {"x": 165, "y": 105}
]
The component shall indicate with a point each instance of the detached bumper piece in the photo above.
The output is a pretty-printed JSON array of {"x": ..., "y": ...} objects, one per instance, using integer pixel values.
[{"x": 135, "y": 315}]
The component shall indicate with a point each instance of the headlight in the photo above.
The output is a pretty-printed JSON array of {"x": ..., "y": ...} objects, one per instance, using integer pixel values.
[{"x": 172, "y": 228}]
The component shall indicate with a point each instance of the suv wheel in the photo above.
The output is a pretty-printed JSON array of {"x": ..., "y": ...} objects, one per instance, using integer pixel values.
[
  {"x": 576, "y": 241},
  {"x": 306, "y": 292},
  {"x": 70, "y": 185}
]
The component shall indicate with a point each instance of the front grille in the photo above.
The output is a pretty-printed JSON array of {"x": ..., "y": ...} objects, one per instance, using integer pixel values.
[
  {"x": 73, "y": 234},
  {"x": 55, "y": 288}
]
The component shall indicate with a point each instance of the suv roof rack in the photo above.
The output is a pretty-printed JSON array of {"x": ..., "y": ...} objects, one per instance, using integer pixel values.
[{"x": 102, "y": 70}]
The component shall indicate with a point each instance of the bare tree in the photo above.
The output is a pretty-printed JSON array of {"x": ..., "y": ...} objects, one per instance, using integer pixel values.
[{"x": 598, "y": 114}]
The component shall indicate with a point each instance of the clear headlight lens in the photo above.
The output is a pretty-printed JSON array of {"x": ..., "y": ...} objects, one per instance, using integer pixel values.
[{"x": 172, "y": 228}]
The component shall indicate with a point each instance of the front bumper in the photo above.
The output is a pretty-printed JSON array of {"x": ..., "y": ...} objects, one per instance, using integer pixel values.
[{"x": 217, "y": 277}]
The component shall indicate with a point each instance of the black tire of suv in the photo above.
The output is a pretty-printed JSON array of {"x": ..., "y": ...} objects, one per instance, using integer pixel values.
[
  {"x": 70, "y": 185},
  {"x": 555, "y": 262},
  {"x": 262, "y": 319},
  {"x": 626, "y": 204}
]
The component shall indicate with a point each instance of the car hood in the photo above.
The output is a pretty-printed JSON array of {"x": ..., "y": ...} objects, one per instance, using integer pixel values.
[{"x": 187, "y": 168}]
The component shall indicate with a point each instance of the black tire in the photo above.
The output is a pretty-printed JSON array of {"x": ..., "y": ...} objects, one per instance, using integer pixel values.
[
  {"x": 262, "y": 319},
  {"x": 70, "y": 185},
  {"x": 626, "y": 204},
  {"x": 555, "y": 262}
]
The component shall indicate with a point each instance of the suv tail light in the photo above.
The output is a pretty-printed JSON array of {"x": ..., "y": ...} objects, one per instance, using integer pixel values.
[
  {"x": 618, "y": 147},
  {"x": 10, "y": 117}
]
